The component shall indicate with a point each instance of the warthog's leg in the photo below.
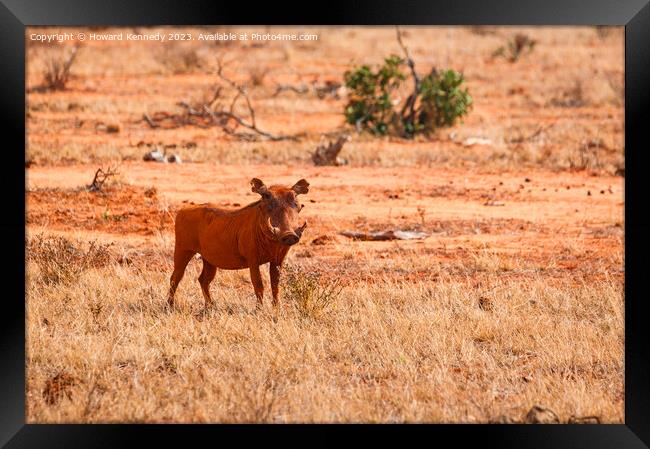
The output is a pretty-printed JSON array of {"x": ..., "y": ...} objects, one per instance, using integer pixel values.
[
  {"x": 206, "y": 276},
  {"x": 274, "y": 272},
  {"x": 181, "y": 259},
  {"x": 258, "y": 285}
]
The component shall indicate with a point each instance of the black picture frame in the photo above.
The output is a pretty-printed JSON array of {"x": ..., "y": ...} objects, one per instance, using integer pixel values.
[{"x": 15, "y": 15}]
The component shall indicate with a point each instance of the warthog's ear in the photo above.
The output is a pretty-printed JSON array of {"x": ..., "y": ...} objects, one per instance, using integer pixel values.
[
  {"x": 301, "y": 187},
  {"x": 257, "y": 186}
]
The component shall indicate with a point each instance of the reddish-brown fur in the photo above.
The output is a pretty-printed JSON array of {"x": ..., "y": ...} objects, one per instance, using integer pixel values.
[{"x": 259, "y": 233}]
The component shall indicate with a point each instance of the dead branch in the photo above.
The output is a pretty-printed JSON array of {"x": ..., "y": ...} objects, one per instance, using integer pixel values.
[
  {"x": 100, "y": 178},
  {"x": 536, "y": 133},
  {"x": 205, "y": 114},
  {"x": 385, "y": 235},
  {"x": 329, "y": 88},
  {"x": 300, "y": 89},
  {"x": 409, "y": 105},
  {"x": 149, "y": 121},
  {"x": 328, "y": 155}
]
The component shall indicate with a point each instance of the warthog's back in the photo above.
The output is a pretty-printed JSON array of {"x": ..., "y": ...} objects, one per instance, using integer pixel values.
[{"x": 214, "y": 233}]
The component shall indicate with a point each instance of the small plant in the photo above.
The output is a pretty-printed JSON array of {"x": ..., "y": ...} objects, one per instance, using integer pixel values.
[
  {"x": 515, "y": 48},
  {"x": 57, "y": 71},
  {"x": 60, "y": 261},
  {"x": 309, "y": 292}
]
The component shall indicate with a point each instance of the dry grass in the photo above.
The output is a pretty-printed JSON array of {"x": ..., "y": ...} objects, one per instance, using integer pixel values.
[
  {"x": 464, "y": 348},
  {"x": 505, "y": 314}
]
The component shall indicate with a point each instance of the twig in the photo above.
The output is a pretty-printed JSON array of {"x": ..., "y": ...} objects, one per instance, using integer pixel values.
[
  {"x": 100, "y": 178},
  {"x": 410, "y": 101},
  {"x": 302, "y": 89},
  {"x": 537, "y": 132},
  {"x": 149, "y": 121}
]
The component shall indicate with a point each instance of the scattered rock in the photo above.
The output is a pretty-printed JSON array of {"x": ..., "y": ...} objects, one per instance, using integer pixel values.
[
  {"x": 110, "y": 128},
  {"x": 584, "y": 420},
  {"x": 174, "y": 159},
  {"x": 541, "y": 415},
  {"x": 154, "y": 156},
  {"x": 150, "y": 192},
  {"x": 471, "y": 141}
]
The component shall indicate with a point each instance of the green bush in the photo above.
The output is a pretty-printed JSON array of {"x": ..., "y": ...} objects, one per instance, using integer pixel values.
[{"x": 437, "y": 100}]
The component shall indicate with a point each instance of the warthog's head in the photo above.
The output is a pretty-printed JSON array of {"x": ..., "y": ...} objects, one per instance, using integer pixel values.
[{"x": 280, "y": 207}]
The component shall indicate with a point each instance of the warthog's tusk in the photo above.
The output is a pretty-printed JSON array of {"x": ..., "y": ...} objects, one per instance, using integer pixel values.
[
  {"x": 299, "y": 230},
  {"x": 273, "y": 229}
]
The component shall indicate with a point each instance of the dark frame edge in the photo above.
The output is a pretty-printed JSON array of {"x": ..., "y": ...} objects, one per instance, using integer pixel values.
[
  {"x": 637, "y": 227},
  {"x": 12, "y": 226},
  {"x": 637, "y": 399}
]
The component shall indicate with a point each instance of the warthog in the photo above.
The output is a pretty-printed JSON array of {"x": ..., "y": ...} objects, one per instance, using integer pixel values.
[{"x": 259, "y": 233}]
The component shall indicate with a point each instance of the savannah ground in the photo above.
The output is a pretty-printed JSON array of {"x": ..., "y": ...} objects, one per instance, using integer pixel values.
[{"x": 514, "y": 300}]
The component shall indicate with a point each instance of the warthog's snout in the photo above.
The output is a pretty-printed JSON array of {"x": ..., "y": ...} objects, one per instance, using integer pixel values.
[{"x": 289, "y": 239}]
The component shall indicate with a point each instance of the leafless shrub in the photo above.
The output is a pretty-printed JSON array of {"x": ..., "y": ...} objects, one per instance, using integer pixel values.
[
  {"x": 309, "y": 292},
  {"x": 60, "y": 261},
  {"x": 588, "y": 155},
  {"x": 57, "y": 70},
  {"x": 180, "y": 59},
  {"x": 516, "y": 47},
  {"x": 572, "y": 97}
]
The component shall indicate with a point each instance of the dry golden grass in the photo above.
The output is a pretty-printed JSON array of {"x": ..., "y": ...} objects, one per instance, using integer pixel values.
[{"x": 475, "y": 346}]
